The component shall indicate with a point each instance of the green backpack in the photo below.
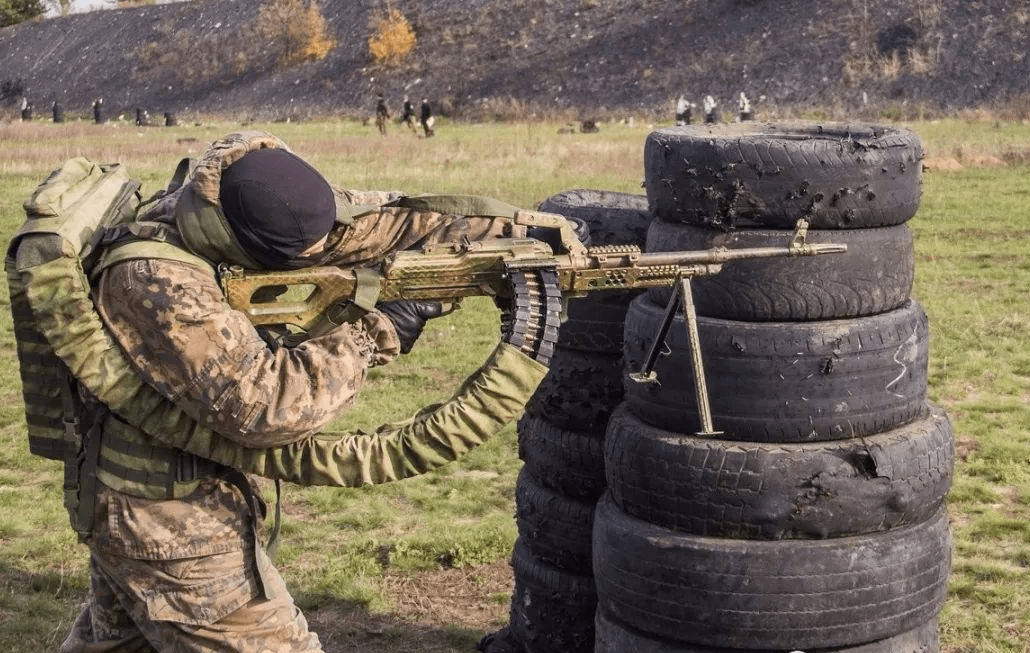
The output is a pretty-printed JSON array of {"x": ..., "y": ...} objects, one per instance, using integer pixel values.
[{"x": 69, "y": 213}]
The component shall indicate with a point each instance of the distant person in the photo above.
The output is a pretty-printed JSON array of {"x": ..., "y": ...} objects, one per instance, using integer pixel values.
[
  {"x": 170, "y": 119},
  {"x": 408, "y": 115},
  {"x": 26, "y": 109},
  {"x": 709, "y": 108},
  {"x": 684, "y": 111},
  {"x": 382, "y": 114},
  {"x": 98, "y": 110},
  {"x": 744, "y": 105},
  {"x": 426, "y": 117},
  {"x": 57, "y": 112},
  {"x": 142, "y": 117}
]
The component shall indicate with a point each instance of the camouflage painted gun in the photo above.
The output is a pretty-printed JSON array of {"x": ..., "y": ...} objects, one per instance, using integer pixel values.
[{"x": 526, "y": 272}]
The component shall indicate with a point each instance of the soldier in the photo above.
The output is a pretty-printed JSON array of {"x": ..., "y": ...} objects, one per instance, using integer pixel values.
[
  {"x": 744, "y": 104},
  {"x": 174, "y": 538},
  {"x": 98, "y": 110},
  {"x": 57, "y": 112},
  {"x": 382, "y": 114},
  {"x": 142, "y": 117},
  {"x": 684, "y": 111},
  {"x": 709, "y": 108},
  {"x": 426, "y": 118},
  {"x": 408, "y": 115}
]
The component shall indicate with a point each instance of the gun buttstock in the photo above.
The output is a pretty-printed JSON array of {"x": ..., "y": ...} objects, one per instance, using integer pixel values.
[{"x": 297, "y": 298}]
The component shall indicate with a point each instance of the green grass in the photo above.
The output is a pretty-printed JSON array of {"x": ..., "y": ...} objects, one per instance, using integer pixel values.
[
  {"x": 973, "y": 279},
  {"x": 338, "y": 546}
]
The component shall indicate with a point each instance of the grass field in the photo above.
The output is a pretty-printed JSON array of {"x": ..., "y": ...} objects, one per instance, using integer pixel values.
[{"x": 421, "y": 565}]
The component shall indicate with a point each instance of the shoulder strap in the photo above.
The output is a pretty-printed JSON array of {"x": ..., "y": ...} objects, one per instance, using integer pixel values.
[
  {"x": 466, "y": 205},
  {"x": 180, "y": 174},
  {"x": 476, "y": 205}
]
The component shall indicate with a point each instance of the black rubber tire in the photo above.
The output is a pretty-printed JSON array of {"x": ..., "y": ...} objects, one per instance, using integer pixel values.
[
  {"x": 556, "y": 529},
  {"x": 784, "y": 381},
  {"x": 595, "y": 322},
  {"x": 874, "y": 275},
  {"x": 580, "y": 390},
  {"x": 613, "y": 218},
  {"x": 776, "y": 595},
  {"x": 612, "y": 637},
  {"x": 838, "y": 176},
  {"x": 754, "y": 490},
  {"x": 552, "y": 611},
  {"x": 568, "y": 462}
]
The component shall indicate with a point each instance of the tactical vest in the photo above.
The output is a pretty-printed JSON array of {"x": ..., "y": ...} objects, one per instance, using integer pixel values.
[
  {"x": 136, "y": 440},
  {"x": 71, "y": 217}
]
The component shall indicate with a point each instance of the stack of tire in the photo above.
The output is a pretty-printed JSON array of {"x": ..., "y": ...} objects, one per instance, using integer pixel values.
[
  {"x": 561, "y": 441},
  {"x": 815, "y": 520}
]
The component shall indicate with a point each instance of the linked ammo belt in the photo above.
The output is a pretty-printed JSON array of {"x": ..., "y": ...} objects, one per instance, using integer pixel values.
[{"x": 535, "y": 316}]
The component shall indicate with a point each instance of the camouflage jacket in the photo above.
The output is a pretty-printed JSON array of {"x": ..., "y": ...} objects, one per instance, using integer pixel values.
[{"x": 173, "y": 323}]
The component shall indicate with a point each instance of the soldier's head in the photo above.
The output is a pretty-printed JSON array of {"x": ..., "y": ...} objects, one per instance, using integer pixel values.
[{"x": 277, "y": 205}]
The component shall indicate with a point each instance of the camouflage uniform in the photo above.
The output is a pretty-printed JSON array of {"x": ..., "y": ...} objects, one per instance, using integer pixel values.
[{"x": 189, "y": 573}]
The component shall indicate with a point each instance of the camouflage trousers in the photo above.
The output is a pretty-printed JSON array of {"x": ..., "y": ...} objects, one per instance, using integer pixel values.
[{"x": 174, "y": 606}]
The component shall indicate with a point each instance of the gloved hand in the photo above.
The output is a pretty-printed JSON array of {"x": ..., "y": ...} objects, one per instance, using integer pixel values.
[{"x": 409, "y": 317}]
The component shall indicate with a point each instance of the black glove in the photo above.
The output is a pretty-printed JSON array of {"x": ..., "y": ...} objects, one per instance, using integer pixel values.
[{"x": 409, "y": 317}]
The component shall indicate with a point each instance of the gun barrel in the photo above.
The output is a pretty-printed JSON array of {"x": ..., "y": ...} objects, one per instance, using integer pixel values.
[{"x": 724, "y": 255}]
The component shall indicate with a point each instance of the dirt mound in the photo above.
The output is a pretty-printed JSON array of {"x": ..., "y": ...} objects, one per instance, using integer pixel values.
[
  {"x": 934, "y": 164},
  {"x": 589, "y": 59}
]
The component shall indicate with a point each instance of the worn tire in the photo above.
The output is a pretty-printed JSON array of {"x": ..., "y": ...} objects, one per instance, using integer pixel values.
[
  {"x": 552, "y": 611},
  {"x": 613, "y": 218},
  {"x": 594, "y": 322},
  {"x": 874, "y": 275},
  {"x": 556, "y": 529},
  {"x": 594, "y": 325},
  {"x": 784, "y": 381},
  {"x": 769, "y": 594},
  {"x": 579, "y": 391},
  {"x": 613, "y": 637},
  {"x": 838, "y": 176},
  {"x": 566, "y": 461},
  {"x": 753, "y": 490}
]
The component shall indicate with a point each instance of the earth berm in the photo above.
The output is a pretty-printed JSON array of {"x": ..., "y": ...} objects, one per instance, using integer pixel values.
[{"x": 581, "y": 59}]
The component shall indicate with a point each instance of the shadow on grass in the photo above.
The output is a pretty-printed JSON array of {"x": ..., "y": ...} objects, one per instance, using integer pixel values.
[
  {"x": 345, "y": 627},
  {"x": 37, "y": 609}
]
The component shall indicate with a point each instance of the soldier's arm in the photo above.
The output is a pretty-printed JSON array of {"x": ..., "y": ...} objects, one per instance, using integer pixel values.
[
  {"x": 375, "y": 235},
  {"x": 175, "y": 327}
]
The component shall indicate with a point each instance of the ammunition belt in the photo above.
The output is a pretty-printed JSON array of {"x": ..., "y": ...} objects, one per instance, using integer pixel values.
[{"x": 532, "y": 321}]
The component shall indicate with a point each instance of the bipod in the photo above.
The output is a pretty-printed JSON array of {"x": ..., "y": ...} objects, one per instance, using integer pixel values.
[{"x": 684, "y": 296}]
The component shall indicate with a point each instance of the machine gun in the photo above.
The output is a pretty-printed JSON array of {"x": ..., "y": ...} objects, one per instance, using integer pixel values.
[{"x": 526, "y": 272}]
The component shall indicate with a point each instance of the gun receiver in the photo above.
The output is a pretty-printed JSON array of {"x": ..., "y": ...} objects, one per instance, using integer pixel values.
[{"x": 448, "y": 272}]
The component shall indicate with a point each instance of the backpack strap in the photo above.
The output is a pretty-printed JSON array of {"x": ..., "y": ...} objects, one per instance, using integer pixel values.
[
  {"x": 144, "y": 240},
  {"x": 81, "y": 496},
  {"x": 179, "y": 176}
]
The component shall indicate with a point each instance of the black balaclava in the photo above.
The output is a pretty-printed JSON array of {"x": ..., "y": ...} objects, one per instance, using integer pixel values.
[{"x": 277, "y": 205}]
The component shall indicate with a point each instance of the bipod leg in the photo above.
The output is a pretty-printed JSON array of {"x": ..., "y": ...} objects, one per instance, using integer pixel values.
[
  {"x": 646, "y": 373},
  {"x": 700, "y": 384}
]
